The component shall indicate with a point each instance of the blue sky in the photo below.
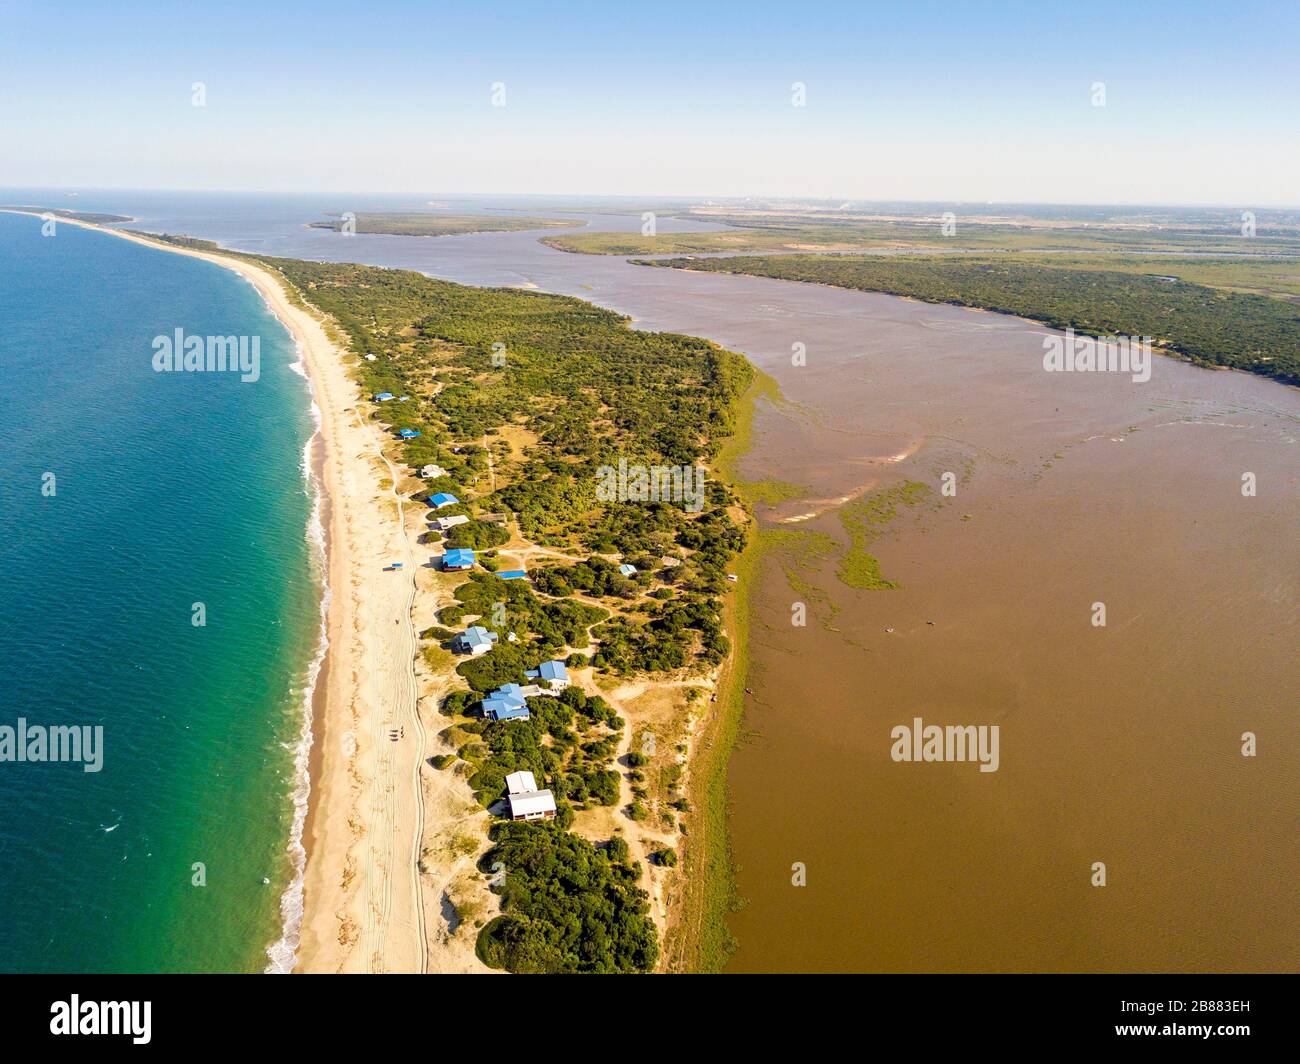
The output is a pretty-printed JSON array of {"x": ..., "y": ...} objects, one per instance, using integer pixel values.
[{"x": 906, "y": 100}]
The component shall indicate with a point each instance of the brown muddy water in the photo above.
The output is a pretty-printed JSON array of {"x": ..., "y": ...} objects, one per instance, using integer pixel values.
[{"x": 1118, "y": 744}]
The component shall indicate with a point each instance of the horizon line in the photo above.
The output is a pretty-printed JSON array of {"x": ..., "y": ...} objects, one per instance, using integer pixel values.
[{"x": 78, "y": 189}]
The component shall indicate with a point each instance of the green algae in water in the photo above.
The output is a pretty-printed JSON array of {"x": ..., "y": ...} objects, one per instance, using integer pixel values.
[{"x": 864, "y": 520}]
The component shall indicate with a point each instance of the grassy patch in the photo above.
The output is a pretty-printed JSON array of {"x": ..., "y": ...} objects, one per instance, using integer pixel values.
[{"x": 864, "y": 520}]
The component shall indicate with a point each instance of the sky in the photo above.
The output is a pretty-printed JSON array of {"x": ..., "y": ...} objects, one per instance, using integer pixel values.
[{"x": 971, "y": 102}]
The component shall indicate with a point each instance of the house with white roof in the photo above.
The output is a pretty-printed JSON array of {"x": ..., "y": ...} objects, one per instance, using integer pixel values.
[
  {"x": 444, "y": 523},
  {"x": 432, "y": 472},
  {"x": 525, "y": 800}
]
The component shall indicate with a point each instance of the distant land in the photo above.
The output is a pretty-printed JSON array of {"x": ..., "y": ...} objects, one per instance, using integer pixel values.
[
  {"x": 1206, "y": 325},
  {"x": 415, "y": 223},
  {"x": 78, "y": 216},
  {"x": 782, "y": 229}
]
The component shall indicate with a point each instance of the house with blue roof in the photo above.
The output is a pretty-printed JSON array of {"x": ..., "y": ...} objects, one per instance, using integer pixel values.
[
  {"x": 474, "y": 641},
  {"x": 457, "y": 559},
  {"x": 551, "y": 673},
  {"x": 506, "y": 703},
  {"x": 382, "y": 397},
  {"x": 442, "y": 499},
  {"x": 409, "y": 434},
  {"x": 499, "y": 710}
]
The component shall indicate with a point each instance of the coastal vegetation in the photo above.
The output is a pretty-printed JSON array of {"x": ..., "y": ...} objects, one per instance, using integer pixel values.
[
  {"x": 472, "y": 370},
  {"x": 544, "y": 624},
  {"x": 566, "y": 906},
  {"x": 91, "y": 217},
  {"x": 796, "y": 231},
  {"x": 567, "y": 741},
  {"x": 1205, "y": 325},
  {"x": 423, "y": 223}
]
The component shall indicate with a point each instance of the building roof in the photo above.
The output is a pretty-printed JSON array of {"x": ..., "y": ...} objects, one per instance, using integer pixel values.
[
  {"x": 513, "y": 574},
  {"x": 452, "y": 521},
  {"x": 458, "y": 556},
  {"x": 477, "y": 636},
  {"x": 442, "y": 499},
  {"x": 521, "y": 782},
  {"x": 408, "y": 434},
  {"x": 549, "y": 670},
  {"x": 532, "y": 802},
  {"x": 383, "y": 397},
  {"x": 627, "y": 570},
  {"x": 506, "y": 703},
  {"x": 431, "y": 471},
  {"x": 505, "y": 709}
]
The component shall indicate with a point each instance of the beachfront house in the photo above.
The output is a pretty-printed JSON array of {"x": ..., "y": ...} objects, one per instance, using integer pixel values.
[
  {"x": 444, "y": 523},
  {"x": 443, "y": 499},
  {"x": 513, "y": 574},
  {"x": 382, "y": 397},
  {"x": 506, "y": 703},
  {"x": 525, "y": 800},
  {"x": 551, "y": 673},
  {"x": 432, "y": 472},
  {"x": 409, "y": 434},
  {"x": 627, "y": 569},
  {"x": 474, "y": 641},
  {"x": 457, "y": 560}
]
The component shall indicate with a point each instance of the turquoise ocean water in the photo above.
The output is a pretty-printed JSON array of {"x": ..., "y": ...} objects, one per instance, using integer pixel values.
[{"x": 169, "y": 490}]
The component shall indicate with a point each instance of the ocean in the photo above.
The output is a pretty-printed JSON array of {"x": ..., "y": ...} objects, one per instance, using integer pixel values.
[{"x": 134, "y": 504}]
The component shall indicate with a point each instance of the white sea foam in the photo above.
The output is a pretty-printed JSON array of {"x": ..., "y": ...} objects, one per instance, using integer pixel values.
[{"x": 283, "y": 953}]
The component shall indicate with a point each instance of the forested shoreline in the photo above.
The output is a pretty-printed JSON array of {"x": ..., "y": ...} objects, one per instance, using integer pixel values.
[{"x": 1204, "y": 325}]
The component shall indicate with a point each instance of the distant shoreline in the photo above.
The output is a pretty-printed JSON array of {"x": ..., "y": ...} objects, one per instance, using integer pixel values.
[{"x": 425, "y": 224}]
